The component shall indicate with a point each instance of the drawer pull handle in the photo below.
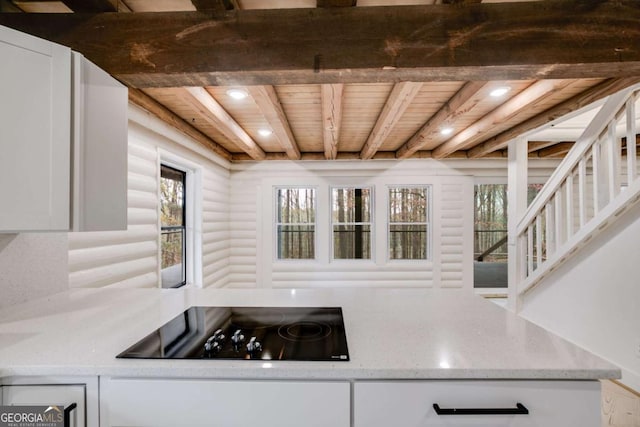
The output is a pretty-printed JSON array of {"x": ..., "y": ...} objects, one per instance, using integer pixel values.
[
  {"x": 520, "y": 409},
  {"x": 67, "y": 414}
]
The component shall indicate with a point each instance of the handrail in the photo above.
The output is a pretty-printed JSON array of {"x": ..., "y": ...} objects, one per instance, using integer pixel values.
[
  {"x": 493, "y": 248},
  {"x": 585, "y": 234},
  {"x": 583, "y": 144},
  {"x": 583, "y": 193}
]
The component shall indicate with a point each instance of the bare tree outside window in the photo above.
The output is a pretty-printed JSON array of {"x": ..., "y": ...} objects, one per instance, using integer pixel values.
[
  {"x": 490, "y": 223},
  {"x": 172, "y": 220},
  {"x": 295, "y": 226},
  {"x": 408, "y": 222},
  {"x": 351, "y": 221},
  {"x": 490, "y": 242},
  {"x": 490, "y": 234}
]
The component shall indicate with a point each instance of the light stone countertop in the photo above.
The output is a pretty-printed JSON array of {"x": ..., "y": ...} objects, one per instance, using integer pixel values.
[{"x": 391, "y": 334}]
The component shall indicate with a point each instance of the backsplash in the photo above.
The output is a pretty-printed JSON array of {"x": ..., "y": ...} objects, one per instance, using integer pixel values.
[{"x": 32, "y": 265}]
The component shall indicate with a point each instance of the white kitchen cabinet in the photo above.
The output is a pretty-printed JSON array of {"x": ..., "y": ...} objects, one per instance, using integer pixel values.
[
  {"x": 35, "y": 133},
  {"x": 63, "y": 139},
  {"x": 410, "y": 403},
  {"x": 192, "y": 402},
  {"x": 99, "y": 149},
  {"x": 47, "y": 395}
]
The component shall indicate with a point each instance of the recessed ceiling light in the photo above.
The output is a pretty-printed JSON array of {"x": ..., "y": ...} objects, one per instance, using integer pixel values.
[
  {"x": 499, "y": 91},
  {"x": 265, "y": 132},
  {"x": 446, "y": 131},
  {"x": 237, "y": 93}
]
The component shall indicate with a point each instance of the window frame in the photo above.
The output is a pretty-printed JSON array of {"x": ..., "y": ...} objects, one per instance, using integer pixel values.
[
  {"x": 276, "y": 223},
  {"x": 428, "y": 223},
  {"x": 171, "y": 228},
  {"x": 192, "y": 216},
  {"x": 372, "y": 230}
]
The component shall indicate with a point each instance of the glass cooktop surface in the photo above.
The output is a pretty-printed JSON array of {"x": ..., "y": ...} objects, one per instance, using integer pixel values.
[{"x": 251, "y": 333}]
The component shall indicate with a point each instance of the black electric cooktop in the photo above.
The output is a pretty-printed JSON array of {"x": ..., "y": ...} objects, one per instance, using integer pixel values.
[{"x": 251, "y": 333}]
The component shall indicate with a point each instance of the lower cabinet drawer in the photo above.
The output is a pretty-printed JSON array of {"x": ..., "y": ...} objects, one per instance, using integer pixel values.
[
  {"x": 192, "y": 402},
  {"x": 411, "y": 403},
  {"x": 46, "y": 395}
]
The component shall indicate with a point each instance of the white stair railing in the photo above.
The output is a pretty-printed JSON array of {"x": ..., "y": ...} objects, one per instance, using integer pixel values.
[{"x": 597, "y": 181}]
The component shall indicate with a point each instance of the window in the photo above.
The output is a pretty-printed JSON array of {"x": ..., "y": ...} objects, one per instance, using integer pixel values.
[
  {"x": 295, "y": 223},
  {"x": 173, "y": 227},
  {"x": 490, "y": 242},
  {"x": 351, "y": 223},
  {"x": 408, "y": 222},
  {"x": 490, "y": 253}
]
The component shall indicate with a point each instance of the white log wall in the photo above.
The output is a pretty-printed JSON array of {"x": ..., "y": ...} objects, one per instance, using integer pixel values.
[
  {"x": 130, "y": 258},
  {"x": 123, "y": 258},
  {"x": 456, "y": 233},
  {"x": 234, "y": 226},
  {"x": 252, "y": 233},
  {"x": 215, "y": 226}
]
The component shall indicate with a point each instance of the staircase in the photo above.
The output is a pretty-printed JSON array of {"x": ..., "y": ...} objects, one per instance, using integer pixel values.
[
  {"x": 596, "y": 182},
  {"x": 575, "y": 252}
]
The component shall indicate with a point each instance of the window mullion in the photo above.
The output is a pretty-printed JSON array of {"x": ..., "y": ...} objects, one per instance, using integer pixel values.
[{"x": 351, "y": 225}]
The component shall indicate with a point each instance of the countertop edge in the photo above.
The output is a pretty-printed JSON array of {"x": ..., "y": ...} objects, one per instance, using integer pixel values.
[{"x": 319, "y": 374}]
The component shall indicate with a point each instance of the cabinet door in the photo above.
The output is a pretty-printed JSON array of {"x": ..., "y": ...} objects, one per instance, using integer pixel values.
[
  {"x": 35, "y": 135},
  {"x": 410, "y": 404},
  {"x": 171, "y": 403},
  {"x": 59, "y": 395},
  {"x": 99, "y": 149}
]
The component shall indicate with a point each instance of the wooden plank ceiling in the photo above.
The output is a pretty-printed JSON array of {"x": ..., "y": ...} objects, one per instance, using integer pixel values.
[{"x": 448, "y": 109}]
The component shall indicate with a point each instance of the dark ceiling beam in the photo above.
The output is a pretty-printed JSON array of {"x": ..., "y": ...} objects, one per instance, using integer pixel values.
[
  {"x": 336, "y": 3},
  {"x": 78, "y": 6},
  {"x": 91, "y": 6},
  {"x": 216, "y": 5},
  {"x": 493, "y": 41},
  {"x": 7, "y": 7}
]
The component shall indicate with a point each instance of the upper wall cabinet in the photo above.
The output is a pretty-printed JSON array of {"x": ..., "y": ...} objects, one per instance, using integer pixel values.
[
  {"x": 99, "y": 140},
  {"x": 63, "y": 140},
  {"x": 35, "y": 135}
]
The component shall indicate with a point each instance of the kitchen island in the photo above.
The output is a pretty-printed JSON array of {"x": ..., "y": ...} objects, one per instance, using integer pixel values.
[{"x": 404, "y": 346}]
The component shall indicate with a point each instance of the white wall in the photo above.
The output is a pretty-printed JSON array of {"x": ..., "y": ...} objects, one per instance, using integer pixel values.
[
  {"x": 593, "y": 299},
  {"x": 32, "y": 265},
  {"x": 131, "y": 258},
  {"x": 251, "y": 212}
]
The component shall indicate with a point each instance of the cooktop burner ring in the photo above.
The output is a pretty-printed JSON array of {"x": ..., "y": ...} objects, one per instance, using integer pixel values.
[{"x": 305, "y": 331}]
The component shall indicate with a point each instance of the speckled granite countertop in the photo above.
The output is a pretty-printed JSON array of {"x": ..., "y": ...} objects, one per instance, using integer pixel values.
[{"x": 391, "y": 334}]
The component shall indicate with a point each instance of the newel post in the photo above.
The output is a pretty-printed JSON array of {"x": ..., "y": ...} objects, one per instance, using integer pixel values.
[{"x": 517, "y": 206}]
